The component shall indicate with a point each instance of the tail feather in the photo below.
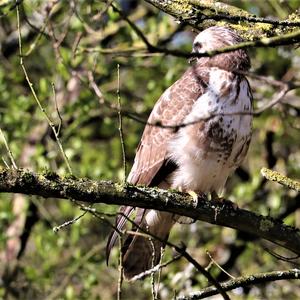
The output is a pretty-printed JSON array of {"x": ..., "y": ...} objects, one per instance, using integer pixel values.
[
  {"x": 142, "y": 253},
  {"x": 124, "y": 213}
]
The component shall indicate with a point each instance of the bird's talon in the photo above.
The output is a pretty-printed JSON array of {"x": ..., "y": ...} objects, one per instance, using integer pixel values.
[{"x": 194, "y": 196}]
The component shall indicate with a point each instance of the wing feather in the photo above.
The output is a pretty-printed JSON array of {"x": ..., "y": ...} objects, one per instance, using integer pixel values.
[
  {"x": 152, "y": 153},
  {"x": 170, "y": 110}
]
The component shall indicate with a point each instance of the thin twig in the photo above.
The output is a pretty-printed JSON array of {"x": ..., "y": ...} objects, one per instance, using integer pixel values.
[
  {"x": 185, "y": 254},
  {"x": 152, "y": 266},
  {"x": 120, "y": 128},
  {"x": 30, "y": 84},
  {"x": 162, "y": 251},
  {"x": 276, "y": 99},
  {"x": 121, "y": 269},
  {"x": 76, "y": 44},
  {"x": 155, "y": 268},
  {"x": 95, "y": 88},
  {"x": 41, "y": 32},
  {"x": 215, "y": 263},
  {"x": 5, "y": 162},
  {"x": 67, "y": 223},
  {"x": 11, "y": 157},
  {"x": 56, "y": 108},
  {"x": 283, "y": 258},
  {"x": 243, "y": 282}
]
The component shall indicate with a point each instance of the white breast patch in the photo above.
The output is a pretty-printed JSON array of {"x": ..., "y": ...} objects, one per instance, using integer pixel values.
[{"x": 209, "y": 150}]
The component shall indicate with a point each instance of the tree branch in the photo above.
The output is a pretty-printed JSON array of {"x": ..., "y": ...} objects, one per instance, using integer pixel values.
[
  {"x": 222, "y": 213},
  {"x": 209, "y": 13},
  {"x": 257, "y": 41},
  {"x": 283, "y": 180},
  {"x": 243, "y": 282}
]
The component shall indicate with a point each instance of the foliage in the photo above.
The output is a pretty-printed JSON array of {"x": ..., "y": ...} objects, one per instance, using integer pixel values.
[{"x": 77, "y": 45}]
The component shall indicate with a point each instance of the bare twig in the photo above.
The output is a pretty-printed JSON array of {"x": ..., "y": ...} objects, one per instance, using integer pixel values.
[
  {"x": 155, "y": 268},
  {"x": 276, "y": 99},
  {"x": 243, "y": 282},
  {"x": 152, "y": 266},
  {"x": 121, "y": 270},
  {"x": 182, "y": 251},
  {"x": 120, "y": 128},
  {"x": 162, "y": 252},
  {"x": 5, "y": 162},
  {"x": 11, "y": 157},
  {"x": 215, "y": 263},
  {"x": 56, "y": 108},
  {"x": 283, "y": 258},
  {"x": 95, "y": 88},
  {"x": 68, "y": 223},
  {"x": 41, "y": 31},
  {"x": 30, "y": 84}
]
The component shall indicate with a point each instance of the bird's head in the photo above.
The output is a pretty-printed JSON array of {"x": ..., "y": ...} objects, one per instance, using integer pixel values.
[{"x": 217, "y": 37}]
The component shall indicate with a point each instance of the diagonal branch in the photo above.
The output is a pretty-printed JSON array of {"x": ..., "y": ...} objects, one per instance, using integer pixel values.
[{"x": 222, "y": 213}]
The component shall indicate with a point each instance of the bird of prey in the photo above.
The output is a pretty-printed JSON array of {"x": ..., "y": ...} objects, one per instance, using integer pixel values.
[{"x": 211, "y": 106}]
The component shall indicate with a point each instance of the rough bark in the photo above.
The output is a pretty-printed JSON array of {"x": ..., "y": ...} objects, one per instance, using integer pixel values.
[
  {"x": 243, "y": 282},
  {"x": 224, "y": 213},
  {"x": 201, "y": 14}
]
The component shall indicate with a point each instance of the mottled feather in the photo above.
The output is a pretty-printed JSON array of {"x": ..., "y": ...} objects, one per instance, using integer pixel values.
[
  {"x": 152, "y": 152},
  {"x": 216, "y": 101}
]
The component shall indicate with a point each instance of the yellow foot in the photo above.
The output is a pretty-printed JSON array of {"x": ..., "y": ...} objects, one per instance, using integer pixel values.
[
  {"x": 194, "y": 196},
  {"x": 187, "y": 220}
]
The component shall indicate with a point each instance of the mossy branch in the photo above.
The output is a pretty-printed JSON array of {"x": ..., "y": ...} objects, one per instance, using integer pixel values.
[
  {"x": 254, "y": 39},
  {"x": 224, "y": 213},
  {"x": 281, "y": 179},
  {"x": 244, "y": 282},
  {"x": 205, "y": 13}
]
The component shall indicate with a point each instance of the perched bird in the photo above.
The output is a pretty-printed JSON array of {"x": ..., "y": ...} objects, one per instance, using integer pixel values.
[{"x": 211, "y": 106}]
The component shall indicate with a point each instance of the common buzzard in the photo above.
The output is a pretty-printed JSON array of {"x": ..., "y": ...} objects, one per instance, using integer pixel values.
[{"x": 211, "y": 106}]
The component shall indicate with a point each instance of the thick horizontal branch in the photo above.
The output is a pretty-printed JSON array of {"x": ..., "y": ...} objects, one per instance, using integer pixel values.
[
  {"x": 243, "y": 282},
  {"x": 284, "y": 38},
  {"x": 222, "y": 213},
  {"x": 207, "y": 13}
]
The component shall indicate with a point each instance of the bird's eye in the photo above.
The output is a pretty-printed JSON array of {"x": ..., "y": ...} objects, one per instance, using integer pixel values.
[{"x": 198, "y": 45}]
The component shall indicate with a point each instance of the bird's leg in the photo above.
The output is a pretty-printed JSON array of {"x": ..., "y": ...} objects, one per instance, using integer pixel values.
[{"x": 187, "y": 220}]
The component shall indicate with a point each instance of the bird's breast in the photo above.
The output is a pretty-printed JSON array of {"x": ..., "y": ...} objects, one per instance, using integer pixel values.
[{"x": 216, "y": 140}]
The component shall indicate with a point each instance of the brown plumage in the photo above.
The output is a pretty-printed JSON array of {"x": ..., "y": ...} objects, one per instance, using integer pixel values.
[{"x": 210, "y": 97}]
